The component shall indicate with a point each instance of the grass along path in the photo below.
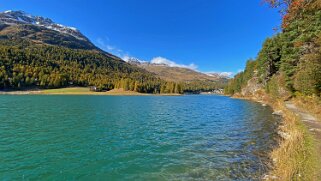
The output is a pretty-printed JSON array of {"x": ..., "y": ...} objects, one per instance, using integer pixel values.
[{"x": 311, "y": 122}]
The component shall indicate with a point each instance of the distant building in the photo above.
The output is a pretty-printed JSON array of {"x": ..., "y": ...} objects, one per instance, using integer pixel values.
[{"x": 93, "y": 88}]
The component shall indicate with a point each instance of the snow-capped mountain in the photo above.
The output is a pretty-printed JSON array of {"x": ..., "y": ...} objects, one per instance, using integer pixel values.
[
  {"x": 219, "y": 74},
  {"x": 176, "y": 73},
  {"x": 134, "y": 60},
  {"x": 19, "y": 17},
  {"x": 137, "y": 61}
]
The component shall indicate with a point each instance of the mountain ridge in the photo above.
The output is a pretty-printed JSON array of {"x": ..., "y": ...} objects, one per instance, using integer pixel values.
[
  {"x": 21, "y": 25},
  {"x": 20, "y": 17},
  {"x": 38, "y": 29},
  {"x": 176, "y": 73}
]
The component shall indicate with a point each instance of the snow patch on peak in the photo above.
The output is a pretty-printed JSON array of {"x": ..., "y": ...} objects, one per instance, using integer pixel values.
[
  {"x": 72, "y": 28},
  {"x": 20, "y": 17},
  {"x": 220, "y": 74},
  {"x": 170, "y": 63},
  {"x": 129, "y": 59},
  {"x": 159, "y": 61}
]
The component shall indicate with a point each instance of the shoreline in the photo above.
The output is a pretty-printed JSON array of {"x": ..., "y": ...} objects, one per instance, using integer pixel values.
[
  {"x": 297, "y": 154},
  {"x": 79, "y": 91},
  {"x": 86, "y": 91}
]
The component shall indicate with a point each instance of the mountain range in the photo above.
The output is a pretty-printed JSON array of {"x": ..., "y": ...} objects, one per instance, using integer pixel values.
[
  {"x": 176, "y": 74},
  {"x": 43, "y": 38}
]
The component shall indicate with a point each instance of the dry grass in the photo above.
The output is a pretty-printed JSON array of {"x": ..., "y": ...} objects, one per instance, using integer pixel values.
[
  {"x": 296, "y": 157},
  {"x": 82, "y": 91},
  {"x": 86, "y": 91}
]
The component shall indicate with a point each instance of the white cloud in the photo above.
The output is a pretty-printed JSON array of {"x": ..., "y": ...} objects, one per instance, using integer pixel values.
[
  {"x": 102, "y": 43},
  {"x": 162, "y": 60},
  {"x": 126, "y": 58}
]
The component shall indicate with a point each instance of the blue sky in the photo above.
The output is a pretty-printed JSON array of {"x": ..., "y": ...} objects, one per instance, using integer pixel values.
[{"x": 213, "y": 35}]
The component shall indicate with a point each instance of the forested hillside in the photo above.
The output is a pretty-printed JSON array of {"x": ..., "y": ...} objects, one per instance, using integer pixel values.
[
  {"x": 27, "y": 65},
  {"x": 192, "y": 80},
  {"x": 289, "y": 63},
  {"x": 45, "y": 66},
  {"x": 35, "y": 52}
]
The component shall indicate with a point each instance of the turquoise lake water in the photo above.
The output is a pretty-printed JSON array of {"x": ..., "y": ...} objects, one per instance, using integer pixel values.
[{"x": 193, "y": 137}]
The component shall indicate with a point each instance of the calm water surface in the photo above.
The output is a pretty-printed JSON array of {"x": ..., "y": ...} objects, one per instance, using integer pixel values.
[{"x": 133, "y": 138}]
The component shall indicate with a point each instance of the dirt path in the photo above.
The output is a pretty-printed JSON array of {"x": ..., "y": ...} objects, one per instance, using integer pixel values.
[{"x": 310, "y": 121}]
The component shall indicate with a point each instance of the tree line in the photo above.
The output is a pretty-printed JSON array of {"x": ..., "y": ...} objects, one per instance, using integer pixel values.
[{"x": 25, "y": 64}]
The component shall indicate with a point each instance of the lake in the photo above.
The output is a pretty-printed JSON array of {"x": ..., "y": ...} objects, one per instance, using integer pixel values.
[{"x": 205, "y": 137}]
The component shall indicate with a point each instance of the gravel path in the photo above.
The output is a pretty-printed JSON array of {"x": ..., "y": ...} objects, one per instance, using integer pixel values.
[{"x": 312, "y": 123}]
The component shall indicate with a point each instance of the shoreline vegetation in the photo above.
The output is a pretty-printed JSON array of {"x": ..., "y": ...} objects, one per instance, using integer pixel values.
[
  {"x": 296, "y": 157},
  {"x": 79, "y": 91},
  {"x": 87, "y": 91}
]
